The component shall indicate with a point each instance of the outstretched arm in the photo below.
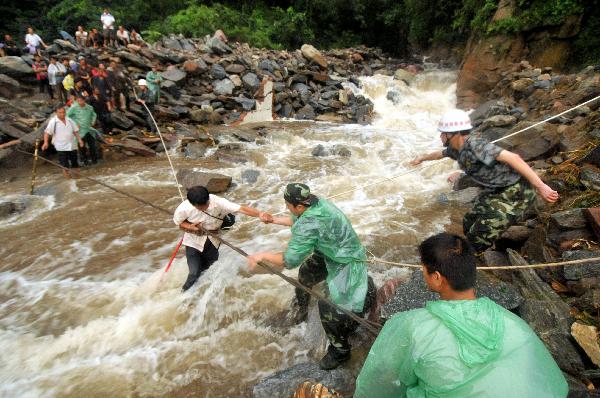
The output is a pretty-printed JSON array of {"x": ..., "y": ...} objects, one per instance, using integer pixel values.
[
  {"x": 273, "y": 258},
  {"x": 430, "y": 156},
  {"x": 517, "y": 163}
]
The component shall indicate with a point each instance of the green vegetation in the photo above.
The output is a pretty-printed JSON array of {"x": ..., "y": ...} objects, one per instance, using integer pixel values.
[{"x": 397, "y": 26}]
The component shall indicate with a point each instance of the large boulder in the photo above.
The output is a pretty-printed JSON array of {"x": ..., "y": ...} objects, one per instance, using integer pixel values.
[
  {"x": 195, "y": 150},
  {"x": 174, "y": 75},
  {"x": 217, "y": 46},
  {"x": 414, "y": 293},
  {"x": 120, "y": 120},
  {"x": 405, "y": 76},
  {"x": 311, "y": 53},
  {"x": 133, "y": 59},
  {"x": 223, "y": 87},
  {"x": 285, "y": 382},
  {"x": 135, "y": 147},
  {"x": 8, "y": 86},
  {"x": 15, "y": 67},
  {"x": 8, "y": 209},
  {"x": 215, "y": 183}
]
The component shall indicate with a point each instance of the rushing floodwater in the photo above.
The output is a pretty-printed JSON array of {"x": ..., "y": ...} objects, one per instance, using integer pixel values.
[{"x": 85, "y": 309}]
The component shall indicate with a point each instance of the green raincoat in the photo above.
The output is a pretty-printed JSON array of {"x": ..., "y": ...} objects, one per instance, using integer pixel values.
[
  {"x": 462, "y": 348},
  {"x": 323, "y": 228}
]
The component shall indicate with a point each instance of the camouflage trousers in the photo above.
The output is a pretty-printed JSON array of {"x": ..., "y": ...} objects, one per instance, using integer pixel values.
[
  {"x": 495, "y": 211},
  {"x": 337, "y": 325}
]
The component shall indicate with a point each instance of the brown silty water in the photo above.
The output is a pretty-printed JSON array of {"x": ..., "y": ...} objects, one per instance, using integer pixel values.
[{"x": 86, "y": 310}]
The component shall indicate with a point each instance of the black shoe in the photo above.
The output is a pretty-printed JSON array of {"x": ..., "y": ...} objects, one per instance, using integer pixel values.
[
  {"x": 334, "y": 358},
  {"x": 298, "y": 313}
]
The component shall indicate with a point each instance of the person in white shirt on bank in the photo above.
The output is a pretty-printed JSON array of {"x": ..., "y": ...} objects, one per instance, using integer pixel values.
[
  {"x": 108, "y": 27},
  {"x": 204, "y": 212},
  {"x": 122, "y": 36},
  {"x": 64, "y": 133},
  {"x": 33, "y": 42},
  {"x": 56, "y": 73}
]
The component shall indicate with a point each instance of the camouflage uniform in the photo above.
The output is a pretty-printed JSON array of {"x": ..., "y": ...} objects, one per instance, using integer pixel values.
[
  {"x": 505, "y": 198},
  {"x": 338, "y": 326}
]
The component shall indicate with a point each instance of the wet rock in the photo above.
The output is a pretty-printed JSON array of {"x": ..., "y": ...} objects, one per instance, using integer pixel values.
[
  {"x": 319, "y": 151},
  {"x": 134, "y": 146},
  {"x": 214, "y": 183},
  {"x": 246, "y": 135},
  {"x": 307, "y": 112},
  {"x": 569, "y": 219},
  {"x": 341, "y": 150},
  {"x": 285, "y": 382},
  {"x": 587, "y": 337},
  {"x": 414, "y": 293},
  {"x": 462, "y": 197},
  {"x": 218, "y": 72},
  {"x": 498, "y": 121},
  {"x": 311, "y": 53},
  {"x": 8, "y": 86},
  {"x": 223, "y": 87},
  {"x": 587, "y": 270},
  {"x": 590, "y": 178},
  {"x": 394, "y": 96},
  {"x": 15, "y": 67},
  {"x": 8, "y": 209},
  {"x": 251, "y": 82},
  {"x": 250, "y": 176},
  {"x": 175, "y": 75},
  {"x": 164, "y": 113},
  {"x": 195, "y": 150},
  {"x": 120, "y": 120},
  {"x": 217, "y": 46},
  {"x": 404, "y": 75}
]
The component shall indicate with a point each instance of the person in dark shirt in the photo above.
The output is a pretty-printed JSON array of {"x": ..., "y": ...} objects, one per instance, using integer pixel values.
[
  {"x": 99, "y": 80},
  {"x": 119, "y": 84},
  {"x": 101, "y": 105},
  {"x": 9, "y": 47},
  {"x": 81, "y": 89}
]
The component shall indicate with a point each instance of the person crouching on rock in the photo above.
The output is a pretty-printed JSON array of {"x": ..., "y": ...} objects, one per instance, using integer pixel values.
[
  {"x": 204, "y": 212},
  {"x": 507, "y": 181},
  {"x": 460, "y": 345},
  {"x": 63, "y": 131},
  {"x": 147, "y": 97},
  {"x": 325, "y": 247}
]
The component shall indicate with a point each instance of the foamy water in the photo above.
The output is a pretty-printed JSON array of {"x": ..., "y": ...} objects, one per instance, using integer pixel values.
[{"x": 86, "y": 310}]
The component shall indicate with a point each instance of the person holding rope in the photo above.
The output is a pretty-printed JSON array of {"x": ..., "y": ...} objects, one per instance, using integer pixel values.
[
  {"x": 64, "y": 133},
  {"x": 204, "y": 211},
  {"x": 460, "y": 345},
  {"x": 509, "y": 183},
  {"x": 325, "y": 247}
]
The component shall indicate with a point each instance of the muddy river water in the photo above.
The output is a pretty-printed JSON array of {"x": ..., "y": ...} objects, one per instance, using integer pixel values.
[{"x": 85, "y": 309}]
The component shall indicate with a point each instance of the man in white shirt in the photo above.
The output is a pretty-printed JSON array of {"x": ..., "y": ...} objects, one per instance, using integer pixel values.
[
  {"x": 203, "y": 211},
  {"x": 63, "y": 132},
  {"x": 108, "y": 27},
  {"x": 122, "y": 36},
  {"x": 81, "y": 36},
  {"x": 33, "y": 42},
  {"x": 56, "y": 73}
]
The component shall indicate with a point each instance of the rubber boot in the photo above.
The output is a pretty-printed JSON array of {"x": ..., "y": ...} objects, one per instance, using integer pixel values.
[
  {"x": 334, "y": 358},
  {"x": 299, "y": 311}
]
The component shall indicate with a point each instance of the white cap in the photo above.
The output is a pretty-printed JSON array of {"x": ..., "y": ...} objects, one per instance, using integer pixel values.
[
  {"x": 454, "y": 120},
  {"x": 142, "y": 82}
]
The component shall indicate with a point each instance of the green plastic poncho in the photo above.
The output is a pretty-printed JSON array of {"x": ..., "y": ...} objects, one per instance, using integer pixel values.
[
  {"x": 324, "y": 229},
  {"x": 463, "y": 348}
]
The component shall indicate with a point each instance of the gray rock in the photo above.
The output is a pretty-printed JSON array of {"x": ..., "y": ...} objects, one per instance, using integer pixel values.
[
  {"x": 587, "y": 89},
  {"x": 200, "y": 115},
  {"x": 134, "y": 59},
  {"x": 223, "y": 87},
  {"x": 236, "y": 69},
  {"x": 15, "y": 67},
  {"x": 590, "y": 178},
  {"x": 404, "y": 75},
  {"x": 569, "y": 219},
  {"x": 284, "y": 383},
  {"x": 543, "y": 84},
  {"x": 250, "y": 176},
  {"x": 8, "y": 86},
  {"x": 307, "y": 112},
  {"x": 577, "y": 272},
  {"x": 462, "y": 197},
  {"x": 394, "y": 96},
  {"x": 319, "y": 151},
  {"x": 487, "y": 110},
  {"x": 195, "y": 150},
  {"x": 8, "y": 209},
  {"x": 286, "y": 110},
  {"x": 217, "y": 46},
  {"x": 174, "y": 75},
  {"x": 215, "y": 183},
  {"x": 246, "y": 103},
  {"x": 498, "y": 121},
  {"x": 181, "y": 110},
  {"x": 245, "y": 135},
  {"x": 414, "y": 293},
  {"x": 66, "y": 45},
  {"x": 301, "y": 88},
  {"x": 171, "y": 43},
  {"x": 218, "y": 72},
  {"x": 340, "y": 150},
  {"x": 134, "y": 146},
  {"x": 251, "y": 82},
  {"x": 119, "y": 119}
]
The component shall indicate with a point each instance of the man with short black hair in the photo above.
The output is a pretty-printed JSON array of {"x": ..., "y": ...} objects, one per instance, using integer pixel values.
[
  {"x": 325, "y": 247},
  {"x": 460, "y": 345},
  {"x": 63, "y": 131},
  {"x": 84, "y": 115},
  {"x": 204, "y": 212}
]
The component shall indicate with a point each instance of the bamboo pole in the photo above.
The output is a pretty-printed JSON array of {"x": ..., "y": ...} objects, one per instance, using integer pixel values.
[{"x": 33, "y": 171}]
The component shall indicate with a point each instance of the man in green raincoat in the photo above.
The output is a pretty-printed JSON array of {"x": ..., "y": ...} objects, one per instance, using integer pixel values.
[
  {"x": 154, "y": 79},
  {"x": 458, "y": 346},
  {"x": 325, "y": 247}
]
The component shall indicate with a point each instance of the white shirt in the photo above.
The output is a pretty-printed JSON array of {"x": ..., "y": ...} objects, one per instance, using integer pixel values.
[
  {"x": 108, "y": 21},
  {"x": 81, "y": 35},
  {"x": 63, "y": 134},
  {"x": 33, "y": 39},
  {"x": 53, "y": 69},
  {"x": 217, "y": 207},
  {"x": 123, "y": 35}
]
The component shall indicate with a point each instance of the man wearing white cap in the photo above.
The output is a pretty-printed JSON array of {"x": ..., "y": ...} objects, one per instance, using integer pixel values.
[
  {"x": 147, "y": 97},
  {"x": 508, "y": 182}
]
